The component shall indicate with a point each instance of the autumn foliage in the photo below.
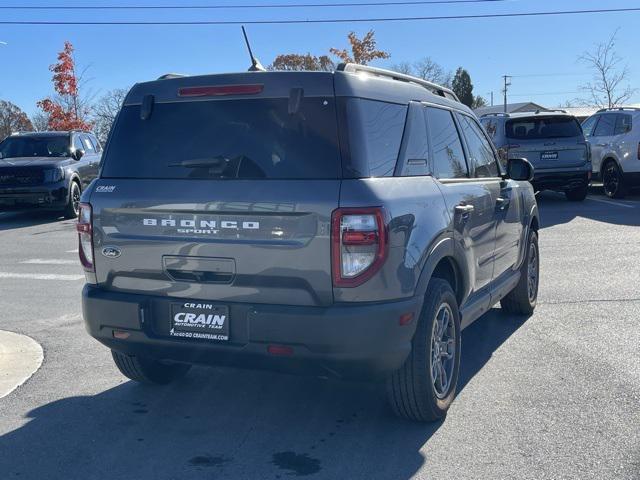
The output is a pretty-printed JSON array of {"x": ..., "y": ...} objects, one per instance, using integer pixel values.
[{"x": 65, "y": 110}]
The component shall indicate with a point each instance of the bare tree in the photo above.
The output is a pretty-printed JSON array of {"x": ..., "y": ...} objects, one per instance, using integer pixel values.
[
  {"x": 427, "y": 69},
  {"x": 609, "y": 86},
  {"x": 105, "y": 111},
  {"x": 40, "y": 121}
]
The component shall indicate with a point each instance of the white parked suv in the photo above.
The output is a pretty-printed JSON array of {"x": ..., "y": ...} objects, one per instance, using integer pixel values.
[{"x": 614, "y": 136}]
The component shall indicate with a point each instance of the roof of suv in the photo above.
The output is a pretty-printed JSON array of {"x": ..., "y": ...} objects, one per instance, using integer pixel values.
[
  {"x": 48, "y": 133},
  {"x": 348, "y": 80},
  {"x": 538, "y": 113}
]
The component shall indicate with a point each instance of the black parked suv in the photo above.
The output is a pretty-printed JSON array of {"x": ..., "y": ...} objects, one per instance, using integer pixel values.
[
  {"x": 47, "y": 170},
  {"x": 347, "y": 224}
]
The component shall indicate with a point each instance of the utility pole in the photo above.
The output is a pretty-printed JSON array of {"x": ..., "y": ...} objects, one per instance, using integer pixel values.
[
  {"x": 491, "y": 95},
  {"x": 507, "y": 84}
]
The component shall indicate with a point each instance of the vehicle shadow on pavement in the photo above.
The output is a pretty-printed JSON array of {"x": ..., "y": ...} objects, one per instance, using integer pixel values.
[
  {"x": 226, "y": 423},
  {"x": 555, "y": 209},
  {"x": 11, "y": 220}
]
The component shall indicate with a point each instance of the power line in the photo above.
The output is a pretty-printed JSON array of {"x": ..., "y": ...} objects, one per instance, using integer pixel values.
[
  {"x": 321, "y": 20},
  {"x": 233, "y": 7}
]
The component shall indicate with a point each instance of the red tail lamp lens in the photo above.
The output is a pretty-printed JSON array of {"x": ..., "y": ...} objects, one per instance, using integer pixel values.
[{"x": 220, "y": 90}]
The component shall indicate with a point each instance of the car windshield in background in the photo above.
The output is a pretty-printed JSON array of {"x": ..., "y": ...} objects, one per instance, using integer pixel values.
[
  {"x": 226, "y": 139},
  {"x": 28, "y": 146},
  {"x": 543, "y": 127}
]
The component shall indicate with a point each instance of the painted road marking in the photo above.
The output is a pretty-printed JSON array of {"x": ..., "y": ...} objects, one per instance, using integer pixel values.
[
  {"x": 72, "y": 251},
  {"x": 40, "y": 276},
  {"x": 20, "y": 357},
  {"x": 49, "y": 261},
  {"x": 611, "y": 202}
]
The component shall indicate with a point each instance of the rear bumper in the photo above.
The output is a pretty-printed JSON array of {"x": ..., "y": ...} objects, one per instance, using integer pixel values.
[
  {"x": 560, "y": 180},
  {"x": 352, "y": 341},
  {"x": 52, "y": 196}
]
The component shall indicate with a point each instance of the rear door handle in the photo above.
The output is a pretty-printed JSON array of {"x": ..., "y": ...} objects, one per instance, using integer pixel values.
[
  {"x": 503, "y": 202},
  {"x": 464, "y": 209}
]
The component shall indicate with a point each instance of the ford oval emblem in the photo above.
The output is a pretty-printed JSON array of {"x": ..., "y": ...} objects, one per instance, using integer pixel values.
[{"x": 111, "y": 252}]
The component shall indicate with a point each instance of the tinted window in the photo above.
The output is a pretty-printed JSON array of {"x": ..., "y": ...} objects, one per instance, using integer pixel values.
[
  {"x": 479, "y": 149},
  {"x": 32, "y": 146},
  {"x": 415, "y": 145},
  {"x": 375, "y": 133},
  {"x": 543, "y": 127},
  {"x": 254, "y": 138},
  {"x": 490, "y": 126},
  {"x": 88, "y": 146},
  {"x": 606, "y": 125},
  {"x": 77, "y": 143},
  {"x": 623, "y": 124},
  {"x": 448, "y": 155},
  {"x": 589, "y": 124}
]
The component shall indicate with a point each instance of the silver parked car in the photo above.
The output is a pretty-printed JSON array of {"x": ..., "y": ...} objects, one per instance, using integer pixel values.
[
  {"x": 554, "y": 144},
  {"x": 614, "y": 136}
]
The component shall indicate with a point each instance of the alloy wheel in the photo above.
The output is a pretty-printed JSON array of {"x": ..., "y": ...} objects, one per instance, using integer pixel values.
[
  {"x": 75, "y": 197},
  {"x": 443, "y": 350},
  {"x": 532, "y": 272},
  {"x": 611, "y": 179}
]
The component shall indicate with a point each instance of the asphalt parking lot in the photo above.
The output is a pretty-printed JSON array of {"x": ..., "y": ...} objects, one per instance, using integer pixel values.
[{"x": 554, "y": 396}]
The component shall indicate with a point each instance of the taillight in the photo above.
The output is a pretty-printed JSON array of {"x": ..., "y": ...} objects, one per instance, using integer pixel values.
[
  {"x": 85, "y": 237},
  {"x": 358, "y": 243},
  {"x": 221, "y": 90},
  {"x": 638, "y": 151}
]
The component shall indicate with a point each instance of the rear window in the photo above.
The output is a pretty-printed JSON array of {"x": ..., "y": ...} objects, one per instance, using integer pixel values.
[
  {"x": 221, "y": 139},
  {"x": 543, "y": 127}
]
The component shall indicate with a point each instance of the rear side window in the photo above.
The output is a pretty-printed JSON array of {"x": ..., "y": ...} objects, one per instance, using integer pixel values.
[
  {"x": 480, "y": 150},
  {"x": 415, "y": 145},
  {"x": 225, "y": 139},
  {"x": 589, "y": 124},
  {"x": 375, "y": 134},
  {"x": 623, "y": 124},
  {"x": 88, "y": 146},
  {"x": 606, "y": 125},
  {"x": 448, "y": 155},
  {"x": 543, "y": 127}
]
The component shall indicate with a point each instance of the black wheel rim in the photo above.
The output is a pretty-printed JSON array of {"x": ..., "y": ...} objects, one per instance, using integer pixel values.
[
  {"x": 611, "y": 179},
  {"x": 532, "y": 272},
  {"x": 75, "y": 198},
  {"x": 443, "y": 351}
]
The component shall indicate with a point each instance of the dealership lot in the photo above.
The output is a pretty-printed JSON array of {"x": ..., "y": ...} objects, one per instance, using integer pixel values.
[{"x": 555, "y": 396}]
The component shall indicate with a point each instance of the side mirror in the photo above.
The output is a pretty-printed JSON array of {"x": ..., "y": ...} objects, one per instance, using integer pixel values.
[
  {"x": 78, "y": 154},
  {"x": 520, "y": 169}
]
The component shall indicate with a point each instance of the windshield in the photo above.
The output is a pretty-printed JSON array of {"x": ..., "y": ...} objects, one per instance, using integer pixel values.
[
  {"x": 45, "y": 146},
  {"x": 224, "y": 139},
  {"x": 543, "y": 127}
]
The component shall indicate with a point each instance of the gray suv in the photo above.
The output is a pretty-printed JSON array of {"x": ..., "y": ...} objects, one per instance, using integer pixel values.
[
  {"x": 346, "y": 224},
  {"x": 552, "y": 141}
]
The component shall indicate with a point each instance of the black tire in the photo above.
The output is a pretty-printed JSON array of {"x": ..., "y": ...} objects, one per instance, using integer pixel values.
[
  {"x": 146, "y": 370},
  {"x": 613, "y": 182},
  {"x": 73, "y": 202},
  {"x": 577, "y": 194},
  {"x": 523, "y": 298},
  {"x": 412, "y": 392}
]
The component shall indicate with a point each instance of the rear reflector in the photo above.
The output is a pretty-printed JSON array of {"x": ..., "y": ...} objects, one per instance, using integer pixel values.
[
  {"x": 406, "y": 319},
  {"x": 120, "y": 334},
  {"x": 281, "y": 350},
  {"x": 220, "y": 90}
]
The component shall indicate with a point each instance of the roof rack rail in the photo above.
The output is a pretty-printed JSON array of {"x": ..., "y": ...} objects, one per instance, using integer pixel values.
[
  {"x": 495, "y": 114},
  {"x": 618, "y": 109},
  {"x": 381, "y": 72},
  {"x": 168, "y": 76}
]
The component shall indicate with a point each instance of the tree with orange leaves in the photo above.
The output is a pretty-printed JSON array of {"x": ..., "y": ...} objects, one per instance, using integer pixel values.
[
  {"x": 363, "y": 51},
  {"x": 66, "y": 110}
]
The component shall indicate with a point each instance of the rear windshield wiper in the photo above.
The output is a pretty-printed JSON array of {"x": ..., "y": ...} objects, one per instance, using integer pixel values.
[{"x": 219, "y": 161}]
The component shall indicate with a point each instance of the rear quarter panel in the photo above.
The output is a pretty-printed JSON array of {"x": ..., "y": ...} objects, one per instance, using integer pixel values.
[{"x": 418, "y": 222}]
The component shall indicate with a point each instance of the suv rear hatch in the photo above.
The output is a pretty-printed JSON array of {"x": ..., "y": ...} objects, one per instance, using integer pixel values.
[
  {"x": 221, "y": 188},
  {"x": 554, "y": 141}
]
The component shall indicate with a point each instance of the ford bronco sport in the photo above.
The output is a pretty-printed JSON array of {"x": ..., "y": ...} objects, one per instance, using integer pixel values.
[{"x": 347, "y": 224}]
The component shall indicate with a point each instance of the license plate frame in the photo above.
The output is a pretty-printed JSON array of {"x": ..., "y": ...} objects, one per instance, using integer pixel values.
[{"x": 199, "y": 321}]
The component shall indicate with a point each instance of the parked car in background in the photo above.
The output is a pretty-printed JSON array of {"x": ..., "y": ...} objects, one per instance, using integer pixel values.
[
  {"x": 614, "y": 136},
  {"x": 47, "y": 170},
  {"x": 347, "y": 224},
  {"x": 554, "y": 144}
]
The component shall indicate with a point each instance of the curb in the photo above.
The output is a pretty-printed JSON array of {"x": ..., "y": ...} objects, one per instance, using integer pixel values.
[{"x": 20, "y": 357}]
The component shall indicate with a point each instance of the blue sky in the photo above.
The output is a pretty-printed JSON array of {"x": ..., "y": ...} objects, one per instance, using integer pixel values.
[{"x": 118, "y": 56}]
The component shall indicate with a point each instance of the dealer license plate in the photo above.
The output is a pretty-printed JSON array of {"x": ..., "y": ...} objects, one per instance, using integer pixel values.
[{"x": 202, "y": 321}]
